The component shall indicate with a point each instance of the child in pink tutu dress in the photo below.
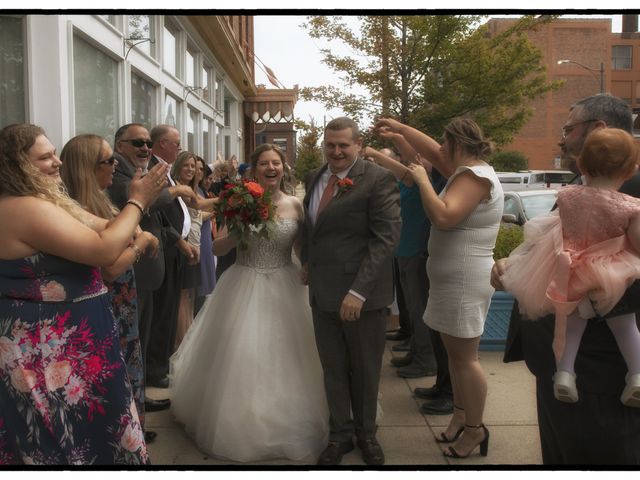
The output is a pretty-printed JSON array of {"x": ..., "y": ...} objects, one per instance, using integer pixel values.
[{"x": 579, "y": 260}]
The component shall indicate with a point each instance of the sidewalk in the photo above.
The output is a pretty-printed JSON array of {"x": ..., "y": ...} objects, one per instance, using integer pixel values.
[{"x": 404, "y": 433}]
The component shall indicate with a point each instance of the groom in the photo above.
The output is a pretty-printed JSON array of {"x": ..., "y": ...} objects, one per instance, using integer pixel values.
[{"x": 352, "y": 225}]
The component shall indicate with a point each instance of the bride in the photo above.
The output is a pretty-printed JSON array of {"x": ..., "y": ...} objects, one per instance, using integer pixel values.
[{"x": 246, "y": 381}]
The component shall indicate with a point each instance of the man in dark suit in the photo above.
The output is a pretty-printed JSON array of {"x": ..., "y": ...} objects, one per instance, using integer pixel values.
[
  {"x": 132, "y": 149},
  {"x": 352, "y": 225},
  {"x": 177, "y": 252},
  {"x": 598, "y": 429}
]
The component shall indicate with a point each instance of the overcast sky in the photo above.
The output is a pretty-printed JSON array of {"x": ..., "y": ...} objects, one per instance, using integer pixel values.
[{"x": 285, "y": 47}]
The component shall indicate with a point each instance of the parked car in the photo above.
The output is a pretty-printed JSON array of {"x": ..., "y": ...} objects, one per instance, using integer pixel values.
[
  {"x": 534, "y": 179},
  {"x": 521, "y": 206}
]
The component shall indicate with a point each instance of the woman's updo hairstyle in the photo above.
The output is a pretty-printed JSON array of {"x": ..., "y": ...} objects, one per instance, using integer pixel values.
[{"x": 467, "y": 134}]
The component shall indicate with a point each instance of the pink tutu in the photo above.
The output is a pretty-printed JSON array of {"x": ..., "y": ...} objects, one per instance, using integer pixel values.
[{"x": 545, "y": 278}]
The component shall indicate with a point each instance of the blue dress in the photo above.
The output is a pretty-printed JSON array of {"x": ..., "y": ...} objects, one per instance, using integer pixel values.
[
  {"x": 64, "y": 393},
  {"x": 207, "y": 265}
]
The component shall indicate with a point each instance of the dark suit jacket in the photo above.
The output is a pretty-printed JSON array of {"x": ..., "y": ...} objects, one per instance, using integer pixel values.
[
  {"x": 599, "y": 365},
  {"x": 149, "y": 271},
  {"x": 173, "y": 216},
  {"x": 351, "y": 244}
]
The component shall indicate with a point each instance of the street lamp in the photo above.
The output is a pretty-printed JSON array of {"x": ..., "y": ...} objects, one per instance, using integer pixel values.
[{"x": 591, "y": 69}]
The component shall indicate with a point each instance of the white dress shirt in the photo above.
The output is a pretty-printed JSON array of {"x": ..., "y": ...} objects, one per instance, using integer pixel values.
[
  {"x": 186, "y": 222},
  {"x": 321, "y": 184}
]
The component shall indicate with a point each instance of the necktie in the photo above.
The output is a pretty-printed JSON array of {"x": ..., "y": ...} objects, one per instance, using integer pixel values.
[{"x": 327, "y": 194}]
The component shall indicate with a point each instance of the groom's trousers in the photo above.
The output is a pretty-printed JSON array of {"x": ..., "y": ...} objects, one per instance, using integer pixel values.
[{"x": 351, "y": 357}]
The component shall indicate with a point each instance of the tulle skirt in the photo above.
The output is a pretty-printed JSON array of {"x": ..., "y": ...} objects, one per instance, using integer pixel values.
[
  {"x": 246, "y": 381},
  {"x": 546, "y": 278}
]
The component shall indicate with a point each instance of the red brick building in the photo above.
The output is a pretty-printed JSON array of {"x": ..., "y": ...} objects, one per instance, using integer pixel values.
[{"x": 599, "y": 60}]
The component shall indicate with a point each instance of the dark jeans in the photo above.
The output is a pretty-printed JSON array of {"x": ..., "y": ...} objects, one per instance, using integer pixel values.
[{"x": 415, "y": 287}]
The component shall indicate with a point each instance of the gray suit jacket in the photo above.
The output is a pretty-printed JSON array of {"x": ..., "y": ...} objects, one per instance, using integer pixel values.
[{"x": 351, "y": 244}]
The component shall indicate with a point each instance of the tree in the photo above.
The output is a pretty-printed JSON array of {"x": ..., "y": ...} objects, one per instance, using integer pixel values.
[
  {"x": 508, "y": 161},
  {"x": 309, "y": 153},
  {"x": 426, "y": 70}
]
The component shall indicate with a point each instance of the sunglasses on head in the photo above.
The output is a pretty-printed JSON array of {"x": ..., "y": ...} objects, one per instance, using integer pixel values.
[
  {"x": 107, "y": 161},
  {"x": 138, "y": 142}
]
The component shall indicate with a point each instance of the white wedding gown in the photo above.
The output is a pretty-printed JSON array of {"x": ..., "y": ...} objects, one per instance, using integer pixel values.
[{"x": 246, "y": 381}]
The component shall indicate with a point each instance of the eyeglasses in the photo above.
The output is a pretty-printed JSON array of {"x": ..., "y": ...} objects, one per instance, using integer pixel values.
[
  {"x": 139, "y": 143},
  {"x": 567, "y": 129},
  {"x": 107, "y": 161}
]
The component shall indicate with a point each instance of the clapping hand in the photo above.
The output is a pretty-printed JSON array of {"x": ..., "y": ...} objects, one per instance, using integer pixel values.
[{"x": 145, "y": 189}]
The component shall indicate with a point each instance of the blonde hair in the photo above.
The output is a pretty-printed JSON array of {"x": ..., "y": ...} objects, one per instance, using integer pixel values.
[
  {"x": 18, "y": 176},
  {"x": 80, "y": 157},
  {"x": 178, "y": 165},
  {"x": 609, "y": 152},
  {"x": 221, "y": 169}
]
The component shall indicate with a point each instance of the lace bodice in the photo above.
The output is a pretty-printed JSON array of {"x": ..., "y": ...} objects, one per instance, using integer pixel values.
[
  {"x": 591, "y": 215},
  {"x": 265, "y": 254}
]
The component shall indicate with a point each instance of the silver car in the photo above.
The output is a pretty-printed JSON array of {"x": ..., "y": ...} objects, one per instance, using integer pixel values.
[{"x": 521, "y": 206}]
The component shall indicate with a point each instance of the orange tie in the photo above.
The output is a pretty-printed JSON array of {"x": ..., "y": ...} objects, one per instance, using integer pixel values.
[{"x": 327, "y": 194}]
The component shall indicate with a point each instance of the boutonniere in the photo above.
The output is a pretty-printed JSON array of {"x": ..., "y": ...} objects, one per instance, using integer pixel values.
[{"x": 344, "y": 186}]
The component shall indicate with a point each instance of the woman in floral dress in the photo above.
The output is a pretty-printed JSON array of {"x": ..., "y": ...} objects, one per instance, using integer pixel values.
[
  {"x": 64, "y": 393},
  {"x": 87, "y": 171}
]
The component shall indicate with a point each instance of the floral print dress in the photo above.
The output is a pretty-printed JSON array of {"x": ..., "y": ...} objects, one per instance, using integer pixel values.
[
  {"x": 125, "y": 309},
  {"x": 65, "y": 397}
]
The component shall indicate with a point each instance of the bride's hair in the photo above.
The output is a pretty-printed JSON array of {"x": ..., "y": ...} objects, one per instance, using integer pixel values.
[{"x": 285, "y": 186}]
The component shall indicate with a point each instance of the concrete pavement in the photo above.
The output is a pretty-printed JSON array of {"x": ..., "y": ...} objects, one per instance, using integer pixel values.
[{"x": 405, "y": 434}]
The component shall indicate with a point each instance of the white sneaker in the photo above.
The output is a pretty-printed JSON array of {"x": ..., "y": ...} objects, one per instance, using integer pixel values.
[
  {"x": 631, "y": 394},
  {"x": 564, "y": 386}
]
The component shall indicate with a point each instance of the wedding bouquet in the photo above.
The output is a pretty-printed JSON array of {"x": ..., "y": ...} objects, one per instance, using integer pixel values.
[{"x": 247, "y": 210}]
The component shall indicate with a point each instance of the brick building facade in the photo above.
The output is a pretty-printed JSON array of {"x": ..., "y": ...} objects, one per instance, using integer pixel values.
[{"x": 596, "y": 58}]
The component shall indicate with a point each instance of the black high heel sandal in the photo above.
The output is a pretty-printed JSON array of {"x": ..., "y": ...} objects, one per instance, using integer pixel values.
[
  {"x": 484, "y": 445},
  {"x": 442, "y": 438}
]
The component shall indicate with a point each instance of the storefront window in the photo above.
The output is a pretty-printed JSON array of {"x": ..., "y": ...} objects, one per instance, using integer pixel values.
[
  {"x": 95, "y": 88},
  {"x": 12, "y": 95},
  {"x": 143, "y": 101}
]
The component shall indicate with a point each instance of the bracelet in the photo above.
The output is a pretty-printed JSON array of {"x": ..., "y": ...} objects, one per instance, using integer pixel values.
[
  {"x": 137, "y": 204},
  {"x": 137, "y": 251}
]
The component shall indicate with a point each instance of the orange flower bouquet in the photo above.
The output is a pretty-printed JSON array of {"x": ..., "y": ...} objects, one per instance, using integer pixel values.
[{"x": 247, "y": 210}]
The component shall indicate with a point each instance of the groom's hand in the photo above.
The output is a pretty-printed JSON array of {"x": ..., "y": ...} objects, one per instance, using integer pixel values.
[
  {"x": 304, "y": 274},
  {"x": 350, "y": 308}
]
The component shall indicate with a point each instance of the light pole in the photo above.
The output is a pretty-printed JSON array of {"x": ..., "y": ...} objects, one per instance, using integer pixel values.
[{"x": 591, "y": 69}]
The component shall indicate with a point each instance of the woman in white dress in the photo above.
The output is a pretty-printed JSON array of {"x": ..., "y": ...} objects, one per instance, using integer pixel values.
[
  {"x": 246, "y": 381},
  {"x": 465, "y": 218}
]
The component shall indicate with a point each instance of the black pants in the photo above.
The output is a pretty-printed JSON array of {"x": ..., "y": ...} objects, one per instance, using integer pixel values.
[
  {"x": 145, "y": 320},
  {"x": 404, "y": 317},
  {"x": 570, "y": 433},
  {"x": 166, "y": 302}
]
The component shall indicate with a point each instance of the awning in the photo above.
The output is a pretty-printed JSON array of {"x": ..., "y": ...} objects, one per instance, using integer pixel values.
[{"x": 271, "y": 105}]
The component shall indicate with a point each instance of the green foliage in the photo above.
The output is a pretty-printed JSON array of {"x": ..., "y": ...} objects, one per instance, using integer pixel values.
[
  {"x": 509, "y": 237},
  {"x": 508, "y": 161},
  {"x": 426, "y": 70},
  {"x": 309, "y": 153}
]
